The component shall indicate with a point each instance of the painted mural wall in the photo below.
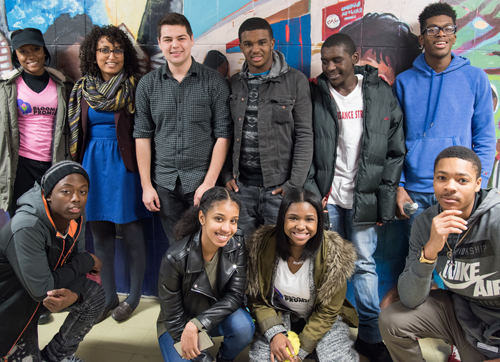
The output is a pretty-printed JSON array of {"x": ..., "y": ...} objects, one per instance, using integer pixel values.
[{"x": 385, "y": 32}]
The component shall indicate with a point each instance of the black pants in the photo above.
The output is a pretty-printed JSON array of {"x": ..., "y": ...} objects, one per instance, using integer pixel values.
[{"x": 28, "y": 171}]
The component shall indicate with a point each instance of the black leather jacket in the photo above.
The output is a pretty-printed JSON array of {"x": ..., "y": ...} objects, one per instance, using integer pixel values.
[{"x": 185, "y": 291}]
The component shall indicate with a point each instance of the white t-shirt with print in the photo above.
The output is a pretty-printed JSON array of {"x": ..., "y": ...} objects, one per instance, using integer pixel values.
[
  {"x": 293, "y": 289},
  {"x": 350, "y": 120}
]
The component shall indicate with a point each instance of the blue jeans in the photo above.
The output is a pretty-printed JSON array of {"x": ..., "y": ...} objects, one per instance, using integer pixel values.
[
  {"x": 259, "y": 207},
  {"x": 365, "y": 278},
  {"x": 237, "y": 330}
]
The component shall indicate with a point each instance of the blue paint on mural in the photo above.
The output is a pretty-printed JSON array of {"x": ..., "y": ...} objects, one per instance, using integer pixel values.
[
  {"x": 41, "y": 14},
  {"x": 208, "y": 13}
]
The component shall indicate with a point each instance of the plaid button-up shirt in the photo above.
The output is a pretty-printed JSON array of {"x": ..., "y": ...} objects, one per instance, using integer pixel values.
[{"x": 184, "y": 120}]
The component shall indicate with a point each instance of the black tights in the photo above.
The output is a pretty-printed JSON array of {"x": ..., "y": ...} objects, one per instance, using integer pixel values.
[{"x": 104, "y": 233}]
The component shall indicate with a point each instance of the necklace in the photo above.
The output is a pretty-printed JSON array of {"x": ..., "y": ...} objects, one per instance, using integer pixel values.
[
  {"x": 451, "y": 252},
  {"x": 298, "y": 262}
]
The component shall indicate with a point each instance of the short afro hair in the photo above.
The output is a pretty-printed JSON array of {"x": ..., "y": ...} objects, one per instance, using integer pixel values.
[
  {"x": 436, "y": 9},
  {"x": 339, "y": 39},
  {"x": 462, "y": 153},
  {"x": 113, "y": 34},
  {"x": 255, "y": 24}
]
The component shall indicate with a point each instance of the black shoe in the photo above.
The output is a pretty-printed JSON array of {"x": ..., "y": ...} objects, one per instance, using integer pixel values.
[
  {"x": 218, "y": 358},
  {"x": 45, "y": 318},
  {"x": 105, "y": 313},
  {"x": 375, "y": 352}
]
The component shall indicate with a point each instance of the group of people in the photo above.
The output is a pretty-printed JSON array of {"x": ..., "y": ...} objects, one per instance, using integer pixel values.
[{"x": 247, "y": 176}]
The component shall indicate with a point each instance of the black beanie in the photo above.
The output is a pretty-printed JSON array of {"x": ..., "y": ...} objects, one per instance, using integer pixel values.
[{"x": 59, "y": 171}]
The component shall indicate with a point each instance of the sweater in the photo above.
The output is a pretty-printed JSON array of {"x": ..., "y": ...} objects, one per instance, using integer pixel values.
[{"x": 451, "y": 108}]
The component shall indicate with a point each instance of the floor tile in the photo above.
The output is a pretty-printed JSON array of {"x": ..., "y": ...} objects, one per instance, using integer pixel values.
[
  {"x": 101, "y": 355},
  {"x": 123, "y": 339}
]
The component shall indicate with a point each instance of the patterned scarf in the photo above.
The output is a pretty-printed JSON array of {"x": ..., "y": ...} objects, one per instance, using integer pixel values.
[{"x": 112, "y": 95}]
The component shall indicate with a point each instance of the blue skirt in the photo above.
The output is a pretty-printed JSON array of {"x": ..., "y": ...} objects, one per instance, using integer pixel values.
[{"x": 115, "y": 194}]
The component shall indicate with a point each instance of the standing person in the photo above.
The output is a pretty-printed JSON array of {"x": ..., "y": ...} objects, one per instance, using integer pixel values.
[
  {"x": 202, "y": 282},
  {"x": 271, "y": 111},
  {"x": 445, "y": 102},
  {"x": 459, "y": 239},
  {"x": 43, "y": 266},
  {"x": 297, "y": 281},
  {"x": 33, "y": 121},
  {"x": 101, "y": 112},
  {"x": 358, "y": 155},
  {"x": 183, "y": 112}
]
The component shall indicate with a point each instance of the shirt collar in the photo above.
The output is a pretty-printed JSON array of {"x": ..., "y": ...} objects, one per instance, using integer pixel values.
[{"x": 193, "y": 70}]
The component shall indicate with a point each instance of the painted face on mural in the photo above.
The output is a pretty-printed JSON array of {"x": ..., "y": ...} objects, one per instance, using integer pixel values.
[
  {"x": 109, "y": 64},
  {"x": 175, "y": 44},
  {"x": 257, "y": 46},
  {"x": 32, "y": 58},
  {"x": 437, "y": 46},
  {"x": 338, "y": 65},
  {"x": 385, "y": 70}
]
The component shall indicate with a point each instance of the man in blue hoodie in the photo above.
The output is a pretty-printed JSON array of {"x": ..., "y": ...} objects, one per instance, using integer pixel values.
[{"x": 445, "y": 102}]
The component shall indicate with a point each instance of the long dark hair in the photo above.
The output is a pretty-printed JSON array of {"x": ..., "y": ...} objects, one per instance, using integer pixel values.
[
  {"x": 282, "y": 244},
  {"x": 189, "y": 222}
]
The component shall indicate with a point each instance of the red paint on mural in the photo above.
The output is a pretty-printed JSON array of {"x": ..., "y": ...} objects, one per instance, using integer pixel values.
[{"x": 335, "y": 17}]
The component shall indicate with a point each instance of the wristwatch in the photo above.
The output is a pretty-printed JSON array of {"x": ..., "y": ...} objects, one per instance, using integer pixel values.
[{"x": 423, "y": 260}]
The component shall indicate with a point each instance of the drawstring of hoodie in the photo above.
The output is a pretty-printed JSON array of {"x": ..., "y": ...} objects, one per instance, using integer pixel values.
[{"x": 430, "y": 121}]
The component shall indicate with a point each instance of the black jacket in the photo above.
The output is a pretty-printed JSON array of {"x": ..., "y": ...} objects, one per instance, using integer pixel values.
[
  {"x": 382, "y": 147},
  {"x": 185, "y": 291},
  {"x": 34, "y": 259}
]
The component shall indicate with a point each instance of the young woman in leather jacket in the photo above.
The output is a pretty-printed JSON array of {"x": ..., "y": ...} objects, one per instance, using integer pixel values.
[{"x": 202, "y": 282}]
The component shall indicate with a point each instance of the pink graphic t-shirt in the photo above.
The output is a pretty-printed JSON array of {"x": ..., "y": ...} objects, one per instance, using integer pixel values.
[{"x": 36, "y": 113}]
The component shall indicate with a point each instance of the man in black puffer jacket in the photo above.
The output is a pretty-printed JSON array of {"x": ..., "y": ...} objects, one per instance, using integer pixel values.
[{"x": 358, "y": 156}]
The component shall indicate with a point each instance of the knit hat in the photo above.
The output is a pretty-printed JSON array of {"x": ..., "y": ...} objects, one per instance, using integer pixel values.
[{"x": 59, "y": 171}]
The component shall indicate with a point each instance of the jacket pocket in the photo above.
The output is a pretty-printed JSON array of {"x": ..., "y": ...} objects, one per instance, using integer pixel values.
[{"x": 282, "y": 110}]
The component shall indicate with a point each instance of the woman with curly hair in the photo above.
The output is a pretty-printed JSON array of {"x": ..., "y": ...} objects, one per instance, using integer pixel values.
[
  {"x": 33, "y": 117},
  {"x": 101, "y": 115},
  {"x": 297, "y": 281}
]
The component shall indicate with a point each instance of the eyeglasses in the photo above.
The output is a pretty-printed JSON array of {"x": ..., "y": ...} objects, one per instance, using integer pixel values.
[
  {"x": 117, "y": 51},
  {"x": 434, "y": 30}
]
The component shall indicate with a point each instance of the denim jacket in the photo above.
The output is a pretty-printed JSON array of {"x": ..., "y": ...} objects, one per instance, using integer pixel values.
[{"x": 285, "y": 125}]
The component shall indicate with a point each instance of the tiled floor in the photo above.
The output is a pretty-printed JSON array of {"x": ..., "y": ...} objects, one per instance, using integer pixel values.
[{"x": 135, "y": 339}]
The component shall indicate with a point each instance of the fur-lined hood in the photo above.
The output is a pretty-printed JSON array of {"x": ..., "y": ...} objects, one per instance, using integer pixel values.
[{"x": 333, "y": 264}]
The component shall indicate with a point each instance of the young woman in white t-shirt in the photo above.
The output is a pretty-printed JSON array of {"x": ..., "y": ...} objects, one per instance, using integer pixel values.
[{"x": 297, "y": 275}]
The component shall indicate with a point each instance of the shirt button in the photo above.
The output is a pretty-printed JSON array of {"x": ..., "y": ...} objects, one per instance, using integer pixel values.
[
  {"x": 196, "y": 285},
  {"x": 234, "y": 266},
  {"x": 239, "y": 244}
]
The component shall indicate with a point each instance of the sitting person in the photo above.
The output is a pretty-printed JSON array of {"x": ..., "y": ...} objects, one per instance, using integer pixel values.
[
  {"x": 202, "y": 282},
  {"x": 43, "y": 266},
  {"x": 297, "y": 277},
  {"x": 459, "y": 238}
]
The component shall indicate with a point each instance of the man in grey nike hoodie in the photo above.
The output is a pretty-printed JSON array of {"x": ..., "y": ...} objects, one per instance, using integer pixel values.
[{"x": 460, "y": 239}]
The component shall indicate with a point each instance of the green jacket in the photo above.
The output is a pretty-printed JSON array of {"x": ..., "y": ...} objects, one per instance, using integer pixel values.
[
  {"x": 382, "y": 147},
  {"x": 333, "y": 265},
  {"x": 9, "y": 129}
]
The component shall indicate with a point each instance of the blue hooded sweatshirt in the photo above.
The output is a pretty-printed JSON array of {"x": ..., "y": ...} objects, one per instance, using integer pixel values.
[{"x": 451, "y": 108}]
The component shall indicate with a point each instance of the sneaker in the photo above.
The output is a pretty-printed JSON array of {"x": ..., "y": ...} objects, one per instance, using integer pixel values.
[
  {"x": 375, "y": 352},
  {"x": 72, "y": 358},
  {"x": 454, "y": 355}
]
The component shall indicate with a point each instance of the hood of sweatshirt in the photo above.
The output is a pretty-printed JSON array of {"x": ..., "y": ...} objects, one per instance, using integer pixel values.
[
  {"x": 32, "y": 202},
  {"x": 278, "y": 68}
]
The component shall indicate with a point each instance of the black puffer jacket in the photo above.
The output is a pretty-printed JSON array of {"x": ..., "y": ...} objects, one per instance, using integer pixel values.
[
  {"x": 184, "y": 288},
  {"x": 382, "y": 147}
]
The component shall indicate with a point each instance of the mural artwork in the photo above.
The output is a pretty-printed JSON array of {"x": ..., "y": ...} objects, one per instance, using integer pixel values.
[{"x": 385, "y": 33}]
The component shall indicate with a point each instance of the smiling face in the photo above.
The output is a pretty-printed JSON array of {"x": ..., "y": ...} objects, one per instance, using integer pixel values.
[
  {"x": 219, "y": 224},
  {"x": 455, "y": 185},
  {"x": 32, "y": 58},
  {"x": 175, "y": 44},
  {"x": 257, "y": 46},
  {"x": 438, "y": 46},
  {"x": 109, "y": 64},
  {"x": 338, "y": 66},
  {"x": 301, "y": 223},
  {"x": 68, "y": 199}
]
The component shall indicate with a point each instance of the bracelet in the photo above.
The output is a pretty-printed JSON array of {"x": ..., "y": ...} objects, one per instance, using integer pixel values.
[{"x": 423, "y": 260}]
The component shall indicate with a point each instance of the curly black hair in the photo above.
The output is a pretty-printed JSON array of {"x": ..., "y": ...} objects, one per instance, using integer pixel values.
[
  {"x": 113, "y": 34},
  {"x": 436, "y": 9}
]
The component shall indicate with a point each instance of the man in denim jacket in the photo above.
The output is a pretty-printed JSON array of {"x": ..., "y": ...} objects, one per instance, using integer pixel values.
[{"x": 273, "y": 140}]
